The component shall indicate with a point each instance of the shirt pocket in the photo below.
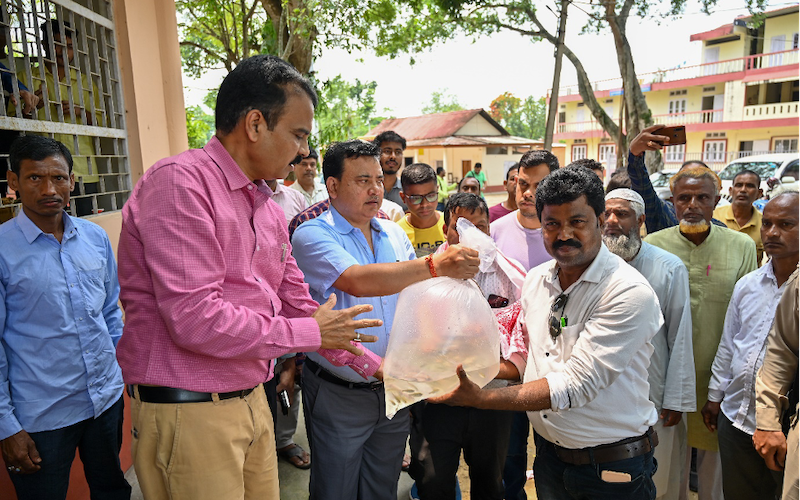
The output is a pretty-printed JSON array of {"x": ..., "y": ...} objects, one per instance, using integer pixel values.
[
  {"x": 569, "y": 336},
  {"x": 93, "y": 288}
]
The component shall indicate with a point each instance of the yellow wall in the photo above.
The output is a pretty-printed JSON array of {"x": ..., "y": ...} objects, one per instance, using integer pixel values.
[
  {"x": 477, "y": 126},
  {"x": 733, "y": 49},
  {"x": 776, "y": 26}
]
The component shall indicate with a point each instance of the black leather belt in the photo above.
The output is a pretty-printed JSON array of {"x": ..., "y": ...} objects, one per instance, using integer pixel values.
[
  {"x": 330, "y": 377},
  {"x": 170, "y": 395},
  {"x": 627, "y": 448}
]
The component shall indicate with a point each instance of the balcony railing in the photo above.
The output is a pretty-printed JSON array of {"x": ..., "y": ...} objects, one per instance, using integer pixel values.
[
  {"x": 746, "y": 64},
  {"x": 768, "y": 111},
  {"x": 586, "y": 126},
  {"x": 689, "y": 118},
  {"x": 716, "y": 160}
]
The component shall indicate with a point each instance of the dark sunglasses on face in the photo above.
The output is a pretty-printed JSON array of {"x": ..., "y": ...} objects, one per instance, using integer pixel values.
[
  {"x": 558, "y": 322},
  {"x": 416, "y": 199}
]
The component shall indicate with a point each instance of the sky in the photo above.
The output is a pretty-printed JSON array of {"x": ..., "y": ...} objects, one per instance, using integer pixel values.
[{"x": 477, "y": 72}]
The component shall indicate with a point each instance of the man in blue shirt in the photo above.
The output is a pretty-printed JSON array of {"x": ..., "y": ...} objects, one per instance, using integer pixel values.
[
  {"x": 363, "y": 260},
  {"x": 659, "y": 214},
  {"x": 60, "y": 385}
]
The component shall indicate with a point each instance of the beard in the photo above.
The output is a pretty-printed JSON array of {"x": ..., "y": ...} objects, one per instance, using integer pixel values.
[
  {"x": 698, "y": 227},
  {"x": 625, "y": 246}
]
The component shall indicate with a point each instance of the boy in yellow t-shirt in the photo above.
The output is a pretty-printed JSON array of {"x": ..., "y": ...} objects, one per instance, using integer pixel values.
[{"x": 423, "y": 224}]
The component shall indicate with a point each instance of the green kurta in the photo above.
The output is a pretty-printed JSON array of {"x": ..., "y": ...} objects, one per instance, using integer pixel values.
[
  {"x": 714, "y": 268},
  {"x": 82, "y": 147}
]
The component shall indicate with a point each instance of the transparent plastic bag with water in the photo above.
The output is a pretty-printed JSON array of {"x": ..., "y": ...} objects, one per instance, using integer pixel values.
[{"x": 439, "y": 323}]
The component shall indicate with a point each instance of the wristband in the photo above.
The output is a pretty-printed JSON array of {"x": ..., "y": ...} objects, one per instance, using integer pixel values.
[{"x": 429, "y": 260}]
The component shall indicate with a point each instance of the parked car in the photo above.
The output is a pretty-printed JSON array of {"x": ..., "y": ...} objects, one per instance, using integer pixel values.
[
  {"x": 660, "y": 181},
  {"x": 776, "y": 165}
]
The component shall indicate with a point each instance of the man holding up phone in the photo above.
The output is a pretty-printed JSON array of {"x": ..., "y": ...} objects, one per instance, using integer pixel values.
[{"x": 659, "y": 214}]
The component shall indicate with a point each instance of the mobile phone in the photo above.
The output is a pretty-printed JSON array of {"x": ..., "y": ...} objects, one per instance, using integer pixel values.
[
  {"x": 283, "y": 397},
  {"x": 496, "y": 301},
  {"x": 677, "y": 135}
]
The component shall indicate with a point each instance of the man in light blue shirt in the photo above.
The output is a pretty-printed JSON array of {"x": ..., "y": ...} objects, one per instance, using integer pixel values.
[
  {"x": 363, "y": 260},
  {"x": 731, "y": 406},
  {"x": 60, "y": 385}
]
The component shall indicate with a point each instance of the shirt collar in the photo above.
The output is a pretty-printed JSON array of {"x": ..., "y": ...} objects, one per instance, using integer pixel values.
[
  {"x": 593, "y": 274},
  {"x": 767, "y": 272},
  {"x": 397, "y": 185},
  {"x": 340, "y": 224},
  {"x": 31, "y": 231},
  {"x": 234, "y": 175}
]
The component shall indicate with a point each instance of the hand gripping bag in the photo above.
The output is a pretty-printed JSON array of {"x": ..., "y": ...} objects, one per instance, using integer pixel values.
[{"x": 439, "y": 323}]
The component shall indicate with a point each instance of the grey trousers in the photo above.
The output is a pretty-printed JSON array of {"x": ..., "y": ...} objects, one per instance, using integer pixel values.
[
  {"x": 286, "y": 425},
  {"x": 745, "y": 475},
  {"x": 357, "y": 451}
]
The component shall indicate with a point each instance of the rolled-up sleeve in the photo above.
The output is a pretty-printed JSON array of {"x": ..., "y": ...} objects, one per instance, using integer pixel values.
[{"x": 623, "y": 323}]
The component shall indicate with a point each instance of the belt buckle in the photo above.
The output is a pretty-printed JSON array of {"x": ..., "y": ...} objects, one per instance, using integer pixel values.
[{"x": 374, "y": 386}]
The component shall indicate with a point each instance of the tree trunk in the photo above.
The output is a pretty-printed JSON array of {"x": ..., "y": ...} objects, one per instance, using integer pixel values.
[
  {"x": 300, "y": 48},
  {"x": 552, "y": 111},
  {"x": 638, "y": 114}
]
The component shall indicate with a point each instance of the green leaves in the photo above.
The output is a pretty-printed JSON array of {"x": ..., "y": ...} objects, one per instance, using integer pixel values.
[
  {"x": 346, "y": 110},
  {"x": 442, "y": 102},
  {"x": 521, "y": 118}
]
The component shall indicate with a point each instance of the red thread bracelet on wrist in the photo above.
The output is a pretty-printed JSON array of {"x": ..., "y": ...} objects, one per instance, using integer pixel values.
[{"x": 429, "y": 260}]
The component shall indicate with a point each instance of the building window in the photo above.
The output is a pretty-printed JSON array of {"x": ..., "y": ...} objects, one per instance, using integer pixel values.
[
  {"x": 714, "y": 151},
  {"x": 677, "y": 106},
  {"x": 91, "y": 121},
  {"x": 496, "y": 150},
  {"x": 674, "y": 154},
  {"x": 785, "y": 145},
  {"x": 794, "y": 41},
  {"x": 605, "y": 152},
  {"x": 578, "y": 151}
]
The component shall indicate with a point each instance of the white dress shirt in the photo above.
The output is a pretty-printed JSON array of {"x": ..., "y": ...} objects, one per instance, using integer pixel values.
[
  {"x": 318, "y": 193},
  {"x": 291, "y": 201},
  {"x": 672, "y": 377},
  {"x": 597, "y": 367},
  {"x": 743, "y": 344}
]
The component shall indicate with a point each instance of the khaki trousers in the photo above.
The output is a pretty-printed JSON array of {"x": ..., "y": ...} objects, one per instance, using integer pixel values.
[
  {"x": 790, "y": 475},
  {"x": 220, "y": 450}
]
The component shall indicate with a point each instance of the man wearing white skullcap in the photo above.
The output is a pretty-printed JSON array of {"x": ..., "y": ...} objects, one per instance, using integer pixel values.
[{"x": 671, "y": 372}]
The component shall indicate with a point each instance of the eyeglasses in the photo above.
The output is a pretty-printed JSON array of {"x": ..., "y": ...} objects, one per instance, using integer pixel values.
[
  {"x": 390, "y": 152},
  {"x": 556, "y": 321},
  {"x": 416, "y": 199}
]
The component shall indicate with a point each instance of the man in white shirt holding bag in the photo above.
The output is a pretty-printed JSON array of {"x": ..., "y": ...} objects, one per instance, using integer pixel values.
[{"x": 585, "y": 384}]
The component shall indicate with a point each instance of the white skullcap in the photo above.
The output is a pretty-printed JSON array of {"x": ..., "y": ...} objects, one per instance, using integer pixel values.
[{"x": 625, "y": 194}]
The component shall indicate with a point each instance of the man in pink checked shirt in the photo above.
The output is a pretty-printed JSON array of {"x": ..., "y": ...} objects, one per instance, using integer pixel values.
[{"x": 212, "y": 295}]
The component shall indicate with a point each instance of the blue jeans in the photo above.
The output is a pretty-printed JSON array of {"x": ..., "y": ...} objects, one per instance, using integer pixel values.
[
  {"x": 98, "y": 441},
  {"x": 517, "y": 458},
  {"x": 558, "y": 480}
]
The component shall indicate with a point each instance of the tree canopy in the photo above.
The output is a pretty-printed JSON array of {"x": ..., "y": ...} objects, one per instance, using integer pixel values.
[
  {"x": 441, "y": 101},
  {"x": 523, "y": 118}
]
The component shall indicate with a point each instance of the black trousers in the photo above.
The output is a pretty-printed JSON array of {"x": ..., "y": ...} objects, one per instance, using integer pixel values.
[
  {"x": 439, "y": 433},
  {"x": 745, "y": 475}
]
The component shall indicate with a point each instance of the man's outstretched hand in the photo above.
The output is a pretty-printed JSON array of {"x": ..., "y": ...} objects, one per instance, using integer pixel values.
[
  {"x": 338, "y": 327},
  {"x": 466, "y": 394}
]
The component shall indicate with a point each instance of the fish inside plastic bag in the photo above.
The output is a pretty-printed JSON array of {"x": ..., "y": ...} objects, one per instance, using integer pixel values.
[{"x": 439, "y": 323}]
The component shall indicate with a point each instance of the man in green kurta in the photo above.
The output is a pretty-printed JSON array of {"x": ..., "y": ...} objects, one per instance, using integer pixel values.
[{"x": 716, "y": 258}]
